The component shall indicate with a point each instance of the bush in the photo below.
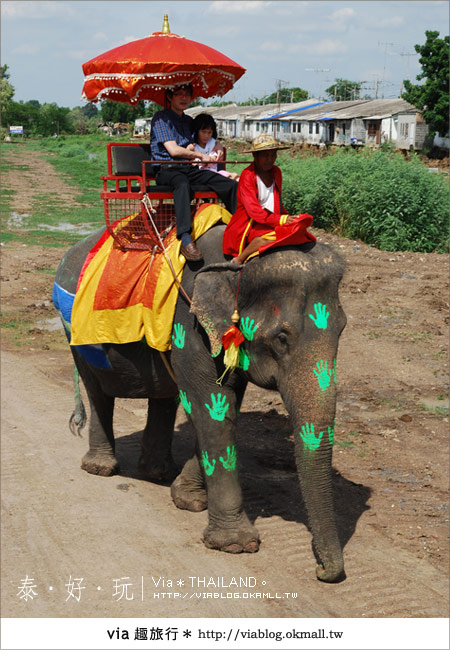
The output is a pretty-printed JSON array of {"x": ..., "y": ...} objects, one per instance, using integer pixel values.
[
  {"x": 373, "y": 195},
  {"x": 75, "y": 150}
]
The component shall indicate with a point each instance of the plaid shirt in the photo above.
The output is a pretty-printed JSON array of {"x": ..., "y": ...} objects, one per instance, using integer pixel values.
[{"x": 168, "y": 125}]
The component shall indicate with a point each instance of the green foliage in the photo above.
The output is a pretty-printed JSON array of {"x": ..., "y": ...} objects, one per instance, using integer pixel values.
[
  {"x": 373, "y": 195},
  {"x": 42, "y": 120},
  {"x": 6, "y": 89},
  {"x": 75, "y": 150},
  {"x": 118, "y": 112},
  {"x": 344, "y": 90},
  {"x": 431, "y": 97},
  {"x": 285, "y": 96},
  {"x": 53, "y": 221}
]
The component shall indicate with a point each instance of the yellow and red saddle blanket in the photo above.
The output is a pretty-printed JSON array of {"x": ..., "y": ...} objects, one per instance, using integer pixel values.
[{"x": 124, "y": 296}]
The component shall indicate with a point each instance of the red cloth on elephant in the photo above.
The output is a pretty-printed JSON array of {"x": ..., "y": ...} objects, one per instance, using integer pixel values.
[{"x": 251, "y": 220}]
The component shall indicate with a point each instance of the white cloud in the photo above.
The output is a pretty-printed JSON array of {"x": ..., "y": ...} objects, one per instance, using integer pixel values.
[
  {"x": 27, "y": 48},
  {"x": 271, "y": 46},
  {"x": 395, "y": 21},
  {"x": 340, "y": 14},
  {"x": 82, "y": 55},
  {"x": 238, "y": 6},
  {"x": 100, "y": 37},
  {"x": 323, "y": 46},
  {"x": 35, "y": 9},
  {"x": 127, "y": 39}
]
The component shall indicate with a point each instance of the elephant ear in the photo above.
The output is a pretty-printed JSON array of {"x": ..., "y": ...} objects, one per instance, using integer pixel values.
[{"x": 213, "y": 300}]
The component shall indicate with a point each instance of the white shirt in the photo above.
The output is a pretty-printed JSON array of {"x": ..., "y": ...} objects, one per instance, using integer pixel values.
[
  {"x": 265, "y": 195},
  {"x": 208, "y": 150}
]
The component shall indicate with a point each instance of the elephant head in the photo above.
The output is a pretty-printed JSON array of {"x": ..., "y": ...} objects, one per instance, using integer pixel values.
[{"x": 291, "y": 319}]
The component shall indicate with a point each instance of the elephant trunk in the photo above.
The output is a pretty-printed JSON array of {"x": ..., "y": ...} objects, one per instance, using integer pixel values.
[{"x": 312, "y": 405}]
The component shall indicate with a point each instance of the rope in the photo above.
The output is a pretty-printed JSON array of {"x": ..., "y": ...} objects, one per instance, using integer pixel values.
[
  {"x": 78, "y": 418},
  {"x": 237, "y": 290},
  {"x": 149, "y": 207},
  {"x": 168, "y": 366}
]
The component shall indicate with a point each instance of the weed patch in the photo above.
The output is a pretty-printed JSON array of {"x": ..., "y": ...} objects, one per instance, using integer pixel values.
[{"x": 372, "y": 195}]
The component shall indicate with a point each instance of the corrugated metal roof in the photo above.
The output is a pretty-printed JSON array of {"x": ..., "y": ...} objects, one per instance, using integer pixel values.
[
  {"x": 310, "y": 110},
  {"x": 294, "y": 110},
  {"x": 232, "y": 111},
  {"x": 375, "y": 109}
]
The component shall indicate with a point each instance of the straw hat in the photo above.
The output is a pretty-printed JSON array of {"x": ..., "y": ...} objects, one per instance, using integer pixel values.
[{"x": 265, "y": 142}]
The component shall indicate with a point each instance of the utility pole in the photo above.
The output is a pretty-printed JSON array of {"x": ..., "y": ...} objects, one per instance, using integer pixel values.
[
  {"x": 280, "y": 84},
  {"x": 408, "y": 54},
  {"x": 384, "y": 64},
  {"x": 318, "y": 70}
]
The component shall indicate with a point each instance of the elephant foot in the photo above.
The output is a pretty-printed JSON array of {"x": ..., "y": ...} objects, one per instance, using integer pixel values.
[
  {"x": 188, "y": 495},
  {"x": 95, "y": 462},
  {"x": 331, "y": 571},
  {"x": 159, "y": 472},
  {"x": 242, "y": 538}
]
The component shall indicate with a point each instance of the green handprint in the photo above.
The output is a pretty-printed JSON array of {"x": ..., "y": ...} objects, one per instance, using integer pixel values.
[
  {"x": 218, "y": 409},
  {"x": 207, "y": 466},
  {"x": 322, "y": 374},
  {"x": 244, "y": 359},
  {"x": 331, "y": 434},
  {"x": 184, "y": 402},
  {"x": 178, "y": 335},
  {"x": 248, "y": 328},
  {"x": 309, "y": 439},
  {"x": 321, "y": 317},
  {"x": 230, "y": 461}
]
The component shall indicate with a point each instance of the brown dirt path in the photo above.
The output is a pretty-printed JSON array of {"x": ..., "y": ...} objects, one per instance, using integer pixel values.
[{"x": 390, "y": 459}]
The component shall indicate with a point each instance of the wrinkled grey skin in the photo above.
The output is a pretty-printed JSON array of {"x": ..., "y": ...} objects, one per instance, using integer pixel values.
[{"x": 280, "y": 292}]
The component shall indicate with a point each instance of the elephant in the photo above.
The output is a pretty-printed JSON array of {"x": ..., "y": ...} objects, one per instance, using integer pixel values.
[{"x": 291, "y": 319}]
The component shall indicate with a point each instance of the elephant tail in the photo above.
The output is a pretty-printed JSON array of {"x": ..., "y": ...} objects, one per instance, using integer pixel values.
[{"x": 78, "y": 418}]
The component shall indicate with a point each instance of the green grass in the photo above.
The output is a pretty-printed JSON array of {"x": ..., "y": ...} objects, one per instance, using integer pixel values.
[
  {"x": 439, "y": 411},
  {"x": 70, "y": 158},
  {"x": 18, "y": 328},
  {"x": 373, "y": 195}
]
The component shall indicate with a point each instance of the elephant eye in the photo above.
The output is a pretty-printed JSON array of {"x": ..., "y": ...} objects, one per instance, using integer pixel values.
[{"x": 283, "y": 339}]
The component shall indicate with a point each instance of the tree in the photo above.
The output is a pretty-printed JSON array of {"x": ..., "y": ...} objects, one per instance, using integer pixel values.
[
  {"x": 89, "y": 110},
  {"x": 344, "y": 90},
  {"x": 20, "y": 113},
  {"x": 431, "y": 97},
  {"x": 6, "y": 89},
  {"x": 118, "y": 112},
  {"x": 81, "y": 123},
  {"x": 285, "y": 96},
  {"x": 53, "y": 119}
]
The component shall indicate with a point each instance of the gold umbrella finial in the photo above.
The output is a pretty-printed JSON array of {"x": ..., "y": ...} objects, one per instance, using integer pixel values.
[{"x": 165, "y": 27}]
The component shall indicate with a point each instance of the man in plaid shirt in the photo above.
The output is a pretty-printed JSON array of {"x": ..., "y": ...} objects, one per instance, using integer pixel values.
[{"x": 171, "y": 138}]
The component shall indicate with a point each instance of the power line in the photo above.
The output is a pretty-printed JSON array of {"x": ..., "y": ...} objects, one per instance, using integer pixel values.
[
  {"x": 318, "y": 70},
  {"x": 384, "y": 64},
  {"x": 279, "y": 85}
]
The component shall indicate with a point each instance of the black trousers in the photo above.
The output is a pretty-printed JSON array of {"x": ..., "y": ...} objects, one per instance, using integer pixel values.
[{"x": 181, "y": 177}]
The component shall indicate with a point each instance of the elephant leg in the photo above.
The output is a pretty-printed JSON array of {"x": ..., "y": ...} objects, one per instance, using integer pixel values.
[
  {"x": 314, "y": 468},
  {"x": 100, "y": 459},
  {"x": 156, "y": 456},
  {"x": 310, "y": 396},
  {"x": 212, "y": 411},
  {"x": 188, "y": 490}
]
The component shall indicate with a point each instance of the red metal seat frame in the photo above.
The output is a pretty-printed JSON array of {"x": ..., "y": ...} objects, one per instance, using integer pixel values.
[{"x": 122, "y": 196}]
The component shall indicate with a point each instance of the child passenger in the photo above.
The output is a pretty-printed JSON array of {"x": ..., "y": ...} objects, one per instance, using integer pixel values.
[
  {"x": 260, "y": 220},
  {"x": 205, "y": 139}
]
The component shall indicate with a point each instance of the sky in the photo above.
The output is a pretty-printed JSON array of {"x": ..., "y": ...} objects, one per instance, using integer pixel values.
[{"x": 293, "y": 43}]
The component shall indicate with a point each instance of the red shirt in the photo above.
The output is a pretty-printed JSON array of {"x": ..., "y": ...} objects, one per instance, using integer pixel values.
[{"x": 248, "y": 207}]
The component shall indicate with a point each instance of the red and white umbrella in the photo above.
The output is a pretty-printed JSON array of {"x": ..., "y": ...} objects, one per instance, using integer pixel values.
[{"x": 145, "y": 68}]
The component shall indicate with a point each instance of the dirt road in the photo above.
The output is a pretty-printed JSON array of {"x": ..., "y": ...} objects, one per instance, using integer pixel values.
[{"x": 124, "y": 536}]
